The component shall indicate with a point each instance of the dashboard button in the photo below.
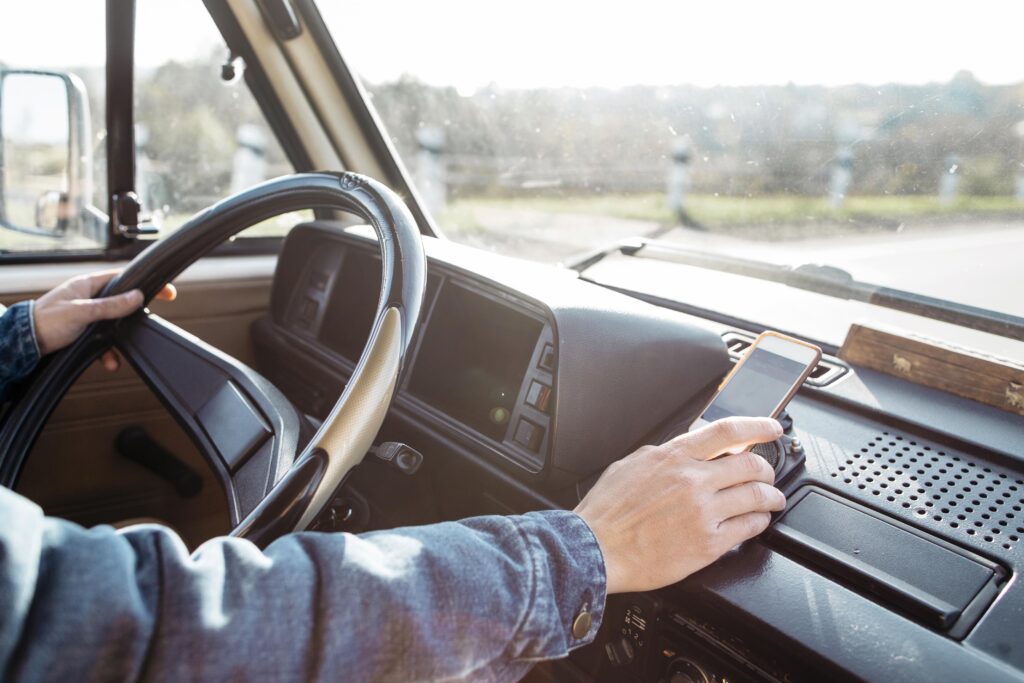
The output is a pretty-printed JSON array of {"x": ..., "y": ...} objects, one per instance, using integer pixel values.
[
  {"x": 528, "y": 435},
  {"x": 307, "y": 311},
  {"x": 538, "y": 395},
  {"x": 318, "y": 280},
  {"x": 547, "y": 358}
]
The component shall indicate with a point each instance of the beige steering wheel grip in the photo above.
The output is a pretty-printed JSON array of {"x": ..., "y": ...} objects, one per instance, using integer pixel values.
[{"x": 348, "y": 432}]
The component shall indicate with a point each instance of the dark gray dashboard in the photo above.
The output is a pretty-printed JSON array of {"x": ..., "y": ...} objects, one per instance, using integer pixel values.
[
  {"x": 567, "y": 376},
  {"x": 807, "y": 601}
]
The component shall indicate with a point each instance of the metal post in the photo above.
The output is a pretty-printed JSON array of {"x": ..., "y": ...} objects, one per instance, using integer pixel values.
[
  {"x": 431, "y": 176},
  {"x": 949, "y": 181},
  {"x": 249, "y": 165},
  {"x": 679, "y": 179},
  {"x": 840, "y": 176},
  {"x": 1020, "y": 161}
]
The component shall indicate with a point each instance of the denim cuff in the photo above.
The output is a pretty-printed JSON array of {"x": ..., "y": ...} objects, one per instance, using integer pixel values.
[
  {"x": 570, "y": 584},
  {"x": 19, "y": 352}
]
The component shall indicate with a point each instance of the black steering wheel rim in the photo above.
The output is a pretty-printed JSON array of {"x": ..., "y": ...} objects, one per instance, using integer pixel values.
[{"x": 290, "y": 503}]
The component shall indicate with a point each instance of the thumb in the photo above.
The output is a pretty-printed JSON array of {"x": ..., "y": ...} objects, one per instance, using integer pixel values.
[{"x": 111, "y": 307}]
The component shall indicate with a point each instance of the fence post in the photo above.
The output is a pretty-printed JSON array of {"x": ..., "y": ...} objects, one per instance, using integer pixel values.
[
  {"x": 431, "y": 176},
  {"x": 249, "y": 165},
  {"x": 840, "y": 175},
  {"x": 1020, "y": 161},
  {"x": 949, "y": 181},
  {"x": 679, "y": 178}
]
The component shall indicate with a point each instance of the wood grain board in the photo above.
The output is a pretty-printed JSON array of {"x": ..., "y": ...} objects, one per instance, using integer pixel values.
[{"x": 994, "y": 381}]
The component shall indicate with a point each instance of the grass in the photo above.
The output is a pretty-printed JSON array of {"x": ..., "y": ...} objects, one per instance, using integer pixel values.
[
  {"x": 791, "y": 216},
  {"x": 718, "y": 212}
]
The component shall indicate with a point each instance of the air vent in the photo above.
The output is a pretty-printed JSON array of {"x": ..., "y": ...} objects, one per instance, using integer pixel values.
[
  {"x": 825, "y": 372},
  {"x": 923, "y": 482}
]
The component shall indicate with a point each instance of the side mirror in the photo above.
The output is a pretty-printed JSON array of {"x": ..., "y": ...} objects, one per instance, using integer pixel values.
[{"x": 46, "y": 166}]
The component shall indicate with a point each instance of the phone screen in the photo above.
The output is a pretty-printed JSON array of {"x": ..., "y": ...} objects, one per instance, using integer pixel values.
[{"x": 763, "y": 380}]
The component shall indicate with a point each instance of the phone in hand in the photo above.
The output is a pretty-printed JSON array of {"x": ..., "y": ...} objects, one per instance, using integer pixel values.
[{"x": 764, "y": 380}]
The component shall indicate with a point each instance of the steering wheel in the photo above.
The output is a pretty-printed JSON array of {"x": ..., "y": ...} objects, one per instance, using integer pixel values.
[{"x": 243, "y": 425}]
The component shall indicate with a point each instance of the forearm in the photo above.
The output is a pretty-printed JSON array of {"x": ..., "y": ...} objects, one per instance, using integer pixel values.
[
  {"x": 19, "y": 352},
  {"x": 475, "y": 600}
]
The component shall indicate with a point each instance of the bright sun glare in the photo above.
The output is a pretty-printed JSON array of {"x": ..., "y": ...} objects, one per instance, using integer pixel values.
[{"x": 541, "y": 43}]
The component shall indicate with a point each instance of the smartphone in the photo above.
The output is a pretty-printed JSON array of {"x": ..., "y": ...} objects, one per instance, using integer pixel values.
[{"x": 764, "y": 379}]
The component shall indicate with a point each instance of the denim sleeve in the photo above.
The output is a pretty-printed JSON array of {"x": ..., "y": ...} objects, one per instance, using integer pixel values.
[
  {"x": 481, "y": 600},
  {"x": 19, "y": 353}
]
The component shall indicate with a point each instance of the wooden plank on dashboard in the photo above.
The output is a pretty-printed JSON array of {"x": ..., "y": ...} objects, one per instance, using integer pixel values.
[{"x": 971, "y": 374}]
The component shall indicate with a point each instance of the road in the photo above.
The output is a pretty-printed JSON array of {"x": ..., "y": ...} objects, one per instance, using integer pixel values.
[{"x": 981, "y": 264}]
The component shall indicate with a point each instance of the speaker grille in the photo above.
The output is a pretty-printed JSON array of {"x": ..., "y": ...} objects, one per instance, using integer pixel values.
[
  {"x": 969, "y": 496},
  {"x": 774, "y": 452}
]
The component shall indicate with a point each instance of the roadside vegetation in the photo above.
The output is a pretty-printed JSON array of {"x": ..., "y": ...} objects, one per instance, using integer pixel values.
[{"x": 759, "y": 217}]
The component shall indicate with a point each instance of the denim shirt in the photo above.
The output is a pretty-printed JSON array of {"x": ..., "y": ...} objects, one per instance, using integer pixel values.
[
  {"x": 482, "y": 599},
  {"x": 19, "y": 353}
]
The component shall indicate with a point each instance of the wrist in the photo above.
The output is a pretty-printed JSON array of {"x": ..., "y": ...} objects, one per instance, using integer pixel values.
[
  {"x": 34, "y": 327},
  {"x": 612, "y": 568}
]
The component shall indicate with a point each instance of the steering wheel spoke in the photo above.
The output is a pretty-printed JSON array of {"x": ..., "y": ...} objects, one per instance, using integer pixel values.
[{"x": 245, "y": 426}]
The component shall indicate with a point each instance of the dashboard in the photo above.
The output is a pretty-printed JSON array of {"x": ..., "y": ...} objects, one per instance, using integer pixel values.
[
  {"x": 505, "y": 362},
  {"x": 896, "y": 557}
]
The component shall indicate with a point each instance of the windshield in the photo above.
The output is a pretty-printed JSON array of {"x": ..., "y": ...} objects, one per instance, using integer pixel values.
[{"x": 884, "y": 138}]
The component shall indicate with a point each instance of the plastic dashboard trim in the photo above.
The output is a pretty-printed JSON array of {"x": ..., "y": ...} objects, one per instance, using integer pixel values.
[{"x": 425, "y": 415}]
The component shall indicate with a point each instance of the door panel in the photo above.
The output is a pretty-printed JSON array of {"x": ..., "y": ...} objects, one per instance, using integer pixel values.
[{"x": 75, "y": 470}]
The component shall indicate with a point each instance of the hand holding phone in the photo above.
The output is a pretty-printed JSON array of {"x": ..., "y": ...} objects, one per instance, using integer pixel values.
[{"x": 764, "y": 380}]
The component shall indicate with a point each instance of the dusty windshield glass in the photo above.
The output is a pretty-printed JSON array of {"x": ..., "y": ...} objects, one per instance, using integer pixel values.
[{"x": 878, "y": 137}]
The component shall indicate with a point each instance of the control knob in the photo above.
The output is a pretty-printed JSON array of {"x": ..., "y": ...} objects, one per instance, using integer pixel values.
[
  {"x": 685, "y": 671},
  {"x": 620, "y": 652}
]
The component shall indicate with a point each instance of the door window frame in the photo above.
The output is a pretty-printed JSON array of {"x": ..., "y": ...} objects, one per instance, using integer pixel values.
[{"x": 120, "y": 113}]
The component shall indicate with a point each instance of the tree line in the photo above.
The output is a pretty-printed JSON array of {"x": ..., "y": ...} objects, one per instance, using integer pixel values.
[{"x": 898, "y": 139}]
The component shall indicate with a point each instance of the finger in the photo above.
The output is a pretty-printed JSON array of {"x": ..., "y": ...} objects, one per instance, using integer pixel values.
[
  {"x": 753, "y": 496},
  {"x": 739, "y": 468},
  {"x": 729, "y": 434},
  {"x": 737, "y": 529},
  {"x": 108, "y": 308},
  {"x": 111, "y": 360},
  {"x": 97, "y": 281},
  {"x": 168, "y": 293}
]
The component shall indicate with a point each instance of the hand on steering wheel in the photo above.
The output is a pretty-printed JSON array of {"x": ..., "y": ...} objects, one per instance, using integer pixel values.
[{"x": 62, "y": 314}]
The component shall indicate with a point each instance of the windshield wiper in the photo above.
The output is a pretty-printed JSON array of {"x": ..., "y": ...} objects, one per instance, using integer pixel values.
[{"x": 827, "y": 280}]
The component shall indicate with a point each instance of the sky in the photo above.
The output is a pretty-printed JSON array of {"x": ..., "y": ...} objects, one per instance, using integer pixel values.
[{"x": 532, "y": 43}]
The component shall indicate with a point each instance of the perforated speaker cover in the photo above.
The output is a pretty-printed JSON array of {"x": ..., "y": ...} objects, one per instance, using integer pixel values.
[{"x": 926, "y": 481}]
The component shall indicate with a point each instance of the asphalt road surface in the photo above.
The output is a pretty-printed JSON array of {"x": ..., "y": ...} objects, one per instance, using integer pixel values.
[{"x": 981, "y": 264}]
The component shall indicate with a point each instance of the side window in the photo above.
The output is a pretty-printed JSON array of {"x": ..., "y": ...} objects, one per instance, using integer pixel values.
[
  {"x": 52, "y": 171},
  {"x": 199, "y": 138}
]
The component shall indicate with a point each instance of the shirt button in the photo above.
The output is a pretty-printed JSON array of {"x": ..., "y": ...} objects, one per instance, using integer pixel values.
[{"x": 581, "y": 624}]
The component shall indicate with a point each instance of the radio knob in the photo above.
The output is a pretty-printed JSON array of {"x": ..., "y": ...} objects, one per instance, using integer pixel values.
[{"x": 685, "y": 671}]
